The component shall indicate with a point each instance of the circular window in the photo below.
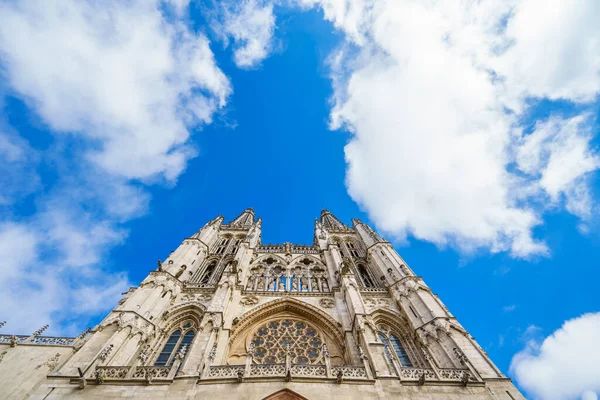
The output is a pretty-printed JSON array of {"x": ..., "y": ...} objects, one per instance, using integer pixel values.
[{"x": 273, "y": 339}]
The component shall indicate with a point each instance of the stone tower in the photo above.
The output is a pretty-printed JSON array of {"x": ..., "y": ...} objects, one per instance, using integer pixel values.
[{"x": 227, "y": 316}]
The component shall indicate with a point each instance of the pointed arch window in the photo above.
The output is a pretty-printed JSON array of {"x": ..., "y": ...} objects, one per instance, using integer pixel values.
[
  {"x": 235, "y": 245},
  {"x": 393, "y": 344},
  {"x": 183, "y": 336},
  {"x": 223, "y": 243},
  {"x": 365, "y": 276},
  {"x": 208, "y": 273},
  {"x": 352, "y": 249}
]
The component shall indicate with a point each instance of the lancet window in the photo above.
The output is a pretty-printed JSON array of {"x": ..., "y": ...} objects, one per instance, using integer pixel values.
[
  {"x": 208, "y": 273},
  {"x": 222, "y": 245},
  {"x": 365, "y": 276},
  {"x": 352, "y": 249},
  {"x": 235, "y": 244},
  {"x": 393, "y": 345},
  {"x": 181, "y": 337},
  {"x": 272, "y": 340}
]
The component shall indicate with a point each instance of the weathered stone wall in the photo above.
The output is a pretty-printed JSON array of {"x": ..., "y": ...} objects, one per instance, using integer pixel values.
[
  {"x": 24, "y": 366},
  {"x": 189, "y": 389}
]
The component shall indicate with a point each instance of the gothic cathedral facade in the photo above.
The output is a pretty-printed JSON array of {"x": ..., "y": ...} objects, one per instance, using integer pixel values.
[{"x": 225, "y": 316}]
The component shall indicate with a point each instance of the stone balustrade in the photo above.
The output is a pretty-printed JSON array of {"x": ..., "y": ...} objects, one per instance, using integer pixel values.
[
  {"x": 107, "y": 373},
  {"x": 372, "y": 290},
  {"x": 39, "y": 340},
  {"x": 281, "y": 371},
  {"x": 280, "y": 248},
  {"x": 151, "y": 372},
  {"x": 440, "y": 375},
  {"x": 258, "y": 372}
]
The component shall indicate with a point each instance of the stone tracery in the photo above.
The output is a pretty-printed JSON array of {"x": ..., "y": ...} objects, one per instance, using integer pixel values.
[
  {"x": 275, "y": 275},
  {"x": 273, "y": 341}
]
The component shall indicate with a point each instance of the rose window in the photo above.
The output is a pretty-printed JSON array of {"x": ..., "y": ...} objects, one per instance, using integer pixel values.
[{"x": 273, "y": 339}]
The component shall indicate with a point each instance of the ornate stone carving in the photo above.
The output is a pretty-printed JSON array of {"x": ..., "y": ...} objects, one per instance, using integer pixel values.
[
  {"x": 40, "y": 331},
  {"x": 350, "y": 372},
  {"x": 278, "y": 341},
  {"x": 112, "y": 372},
  {"x": 460, "y": 355},
  {"x": 225, "y": 371},
  {"x": 417, "y": 374},
  {"x": 249, "y": 301},
  {"x": 204, "y": 297},
  {"x": 375, "y": 302},
  {"x": 51, "y": 363},
  {"x": 151, "y": 372},
  {"x": 327, "y": 303},
  {"x": 144, "y": 354},
  {"x": 105, "y": 352}
]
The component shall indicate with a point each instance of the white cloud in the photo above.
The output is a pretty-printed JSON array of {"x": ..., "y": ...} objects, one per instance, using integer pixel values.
[
  {"x": 510, "y": 308},
  {"x": 54, "y": 268},
  {"x": 50, "y": 272},
  {"x": 556, "y": 49},
  {"x": 250, "y": 24},
  {"x": 565, "y": 364},
  {"x": 117, "y": 73},
  {"x": 434, "y": 93},
  {"x": 120, "y": 86},
  {"x": 559, "y": 152}
]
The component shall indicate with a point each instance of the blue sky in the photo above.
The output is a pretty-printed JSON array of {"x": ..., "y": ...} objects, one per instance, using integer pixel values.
[{"x": 466, "y": 134}]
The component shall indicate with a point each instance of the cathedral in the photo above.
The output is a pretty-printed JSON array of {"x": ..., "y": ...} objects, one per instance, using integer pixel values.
[{"x": 227, "y": 317}]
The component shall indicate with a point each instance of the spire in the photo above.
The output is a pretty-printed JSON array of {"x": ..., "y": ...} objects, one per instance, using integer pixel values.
[
  {"x": 331, "y": 222},
  {"x": 214, "y": 222},
  {"x": 245, "y": 219},
  {"x": 370, "y": 231},
  {"x": 218, "y": 220}
]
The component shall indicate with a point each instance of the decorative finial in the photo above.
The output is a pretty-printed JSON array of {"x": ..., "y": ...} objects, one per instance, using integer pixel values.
[
  {"x": 213, "y": 353},
  {"x": 460, "y": 355},
  {"x": 84, "y": 333},
  {"x": 41, "y": 330},
  {"x": 144, "y": 354},
  {"x": 104, "y": 353},
  {"x": 361, "y": 353}
]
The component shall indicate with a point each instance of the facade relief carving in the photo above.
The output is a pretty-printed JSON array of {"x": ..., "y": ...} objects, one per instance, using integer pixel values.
[
  {"x": 50, "y": 363},
  {"x": 375, "y": 302},
  {"x": 327, "y": 303},
  {"x": 249, "y": 301}
]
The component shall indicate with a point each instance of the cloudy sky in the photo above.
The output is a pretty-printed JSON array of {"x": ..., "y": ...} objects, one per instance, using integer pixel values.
[{"x": 465, "y": 131}]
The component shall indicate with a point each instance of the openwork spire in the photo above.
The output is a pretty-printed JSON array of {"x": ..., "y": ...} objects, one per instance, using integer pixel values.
[
  {"x": 331, "y": 222},
  {"x": 245, "y": 219}
]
